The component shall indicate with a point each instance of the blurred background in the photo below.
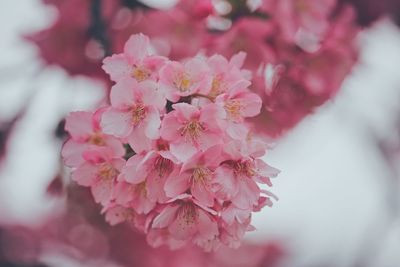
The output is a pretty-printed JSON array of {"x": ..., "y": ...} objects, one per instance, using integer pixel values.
[{"x": 339, "y": 186}]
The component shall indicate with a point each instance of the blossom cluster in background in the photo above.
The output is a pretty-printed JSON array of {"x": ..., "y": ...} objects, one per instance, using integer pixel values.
[{"x": 172, "y": 153}]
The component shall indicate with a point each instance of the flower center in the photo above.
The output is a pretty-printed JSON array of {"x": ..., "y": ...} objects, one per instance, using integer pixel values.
[
  {"x": 140, "y": 73},
  {"x": 217, "y": 87},
  {"x": 244, "y": 168},
  {"x": 138, "y": 113},
  {"x": 96, "y": 139},
  {"x": 233, "y": 108},
  {"x": 201, "y": 175},
  {"x": 183, "y": 82},
  {"x": 192, "y": 130},
  {"x": 141, "y": 189},
  {"x": 188, "y": 213},
  {"x": 107, "y": 172},
  {"x": 163, "y": 166}
]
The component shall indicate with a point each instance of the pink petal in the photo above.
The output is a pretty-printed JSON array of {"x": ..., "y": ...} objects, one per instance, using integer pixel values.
[
  {"x": 251, "y": 105},
  {"x": 152, "y": 123},
  {"x": 117, "y": 67},
  {"x": 102, "y": 191},
  {"x": 166, "y": 216},
  {"x": 79, "y": 124},
  {"x": 237, "y": 131},
  {"x": 132, "y": 173},
  {"x": 170, "y": 127},
  {"x": 139, "y": 141},
  {"x": 183, "y": 151},
  {"x": 207, "y": 228},
  {"x": 137, "y": 47},
  {"x": 123, "y": 193},
  {"x": 248, "y": 194},
  {"x": 225, "y": 184},
  {"x": 176, "y": 184},
  {"x": 151, "y": 96},
  {"x": 202, "y": 193},
  {"x": 86, "y": 174},
  {"x": 116, "y": 122},
  {"x": 181, "y": 228},
  {"x": 72, "y": 153},
  {"x": 122, "y": 94}
]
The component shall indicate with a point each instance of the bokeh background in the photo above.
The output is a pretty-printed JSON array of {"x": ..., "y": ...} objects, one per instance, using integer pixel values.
[{"x": 339, "y": 186}]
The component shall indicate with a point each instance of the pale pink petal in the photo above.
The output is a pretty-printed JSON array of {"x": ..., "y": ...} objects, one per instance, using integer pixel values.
[
  {"x": 238, "y": 59},
  {"x": 176, "y": 184},
  {"x": 132, "y": 173},
  {"x": 182, "y": 228},
  {"x": 237, "y": 131},
  {"x": 115, "y": 145},
  {"x": 122, "y": 94},
  {"x": 183, "y": 151},
  {"x": 202, "y": 193},
  {"x": 207, "y": 140},
  {"x": 170, "y": 127},
  {"x": 137, "y": 47},
  {"x": 186, "y": 111},
  {"x": 102, "y": 191},
  {"x": 116, "y": 122},
  {"x": 72, "y": 153},
  {"x": 117, "y": 67},
  {"x": 225, "y": 184},
  {"x": 152, "y": 96},
  {"x": 139, "y": 141},
  {"x": 166, "y": 216},
  {"x": 207, "y": 228},
  {"x": 79, "y": 125},
  {"x": 152, "y": 124},
  {"x": 86, "y": 174},
  {"x": 251, "y": 105},
  {"x": 248, "y": 194},
  {"x": 123, "y": 193}
]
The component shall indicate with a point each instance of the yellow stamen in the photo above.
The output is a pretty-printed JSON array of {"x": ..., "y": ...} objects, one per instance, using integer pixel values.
[
  {"x": 201, "y": 175},
  {"x": 138, "y": 114},
  {"x": 97, "y": 139},
  {"x": 192, "y": 130},
  {"x": 107, "y": 172},
  {"x": 140, "y": 74},
  {"x": 183, "y": 82},
  {"x": 233, "y": 108}
]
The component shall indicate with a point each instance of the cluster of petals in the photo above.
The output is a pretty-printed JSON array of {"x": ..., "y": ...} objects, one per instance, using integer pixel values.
[{"x": 172, "y": 153}]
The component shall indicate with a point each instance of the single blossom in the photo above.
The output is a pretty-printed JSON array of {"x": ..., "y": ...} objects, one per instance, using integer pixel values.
[
  {"x": 190, "y": 129},
  {"x": 197, "y": 175},
  {"x": 100, "y": 174},
  {"x": 138, "y": 61},
  {"x": 184, "y": 79},
  {"x": 186, "y": 220},
  {"x": 134, "y": 113},
  {"x": 239, "y": 104},
  {"x": 227, "y": 75}
]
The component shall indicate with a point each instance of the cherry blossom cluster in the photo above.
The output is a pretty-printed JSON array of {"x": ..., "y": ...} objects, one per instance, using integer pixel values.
[{"x": 172, "y": 153}]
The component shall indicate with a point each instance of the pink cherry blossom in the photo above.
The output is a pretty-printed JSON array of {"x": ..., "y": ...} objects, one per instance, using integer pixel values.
[
  {"x": 190, "y": 129},
  {"x": 134, "y": 112},
  {"x": 197, "y": 174},
  {"x": 238, "y": 105},
  {"x": 100, "y": 176},
  {"x": 86, "y": 135},
  {"x": 137, "y": 61},
  {"x": 184, "y": 79},
  {"x": 227, "y": 75},
  {"x": 185, "y": 220}
]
